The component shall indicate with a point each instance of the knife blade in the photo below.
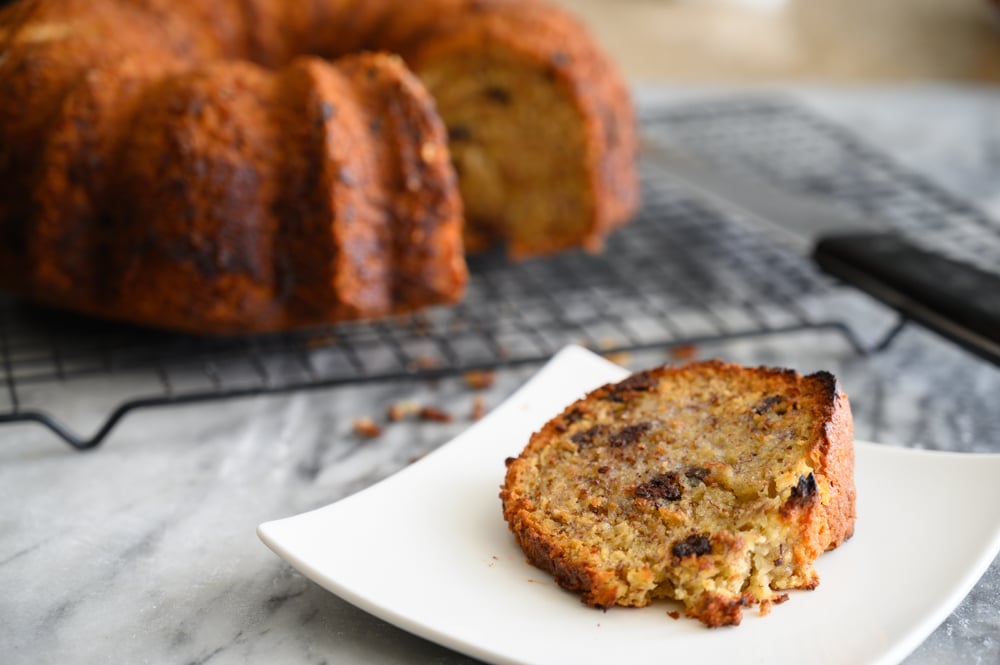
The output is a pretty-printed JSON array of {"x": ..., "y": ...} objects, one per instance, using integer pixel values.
[{"x": 954, "y": 298}]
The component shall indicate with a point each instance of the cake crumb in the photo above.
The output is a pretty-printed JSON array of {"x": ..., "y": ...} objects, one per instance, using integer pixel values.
[
  {"x": 766, "y": 605},
  {"x": 434, "y": 414},
  {"x": 674, "y": 614},
  {"x": 366, "y": 427},
  {"x": 420, "y": 324},
  {"x": 426, "y": 361},
  {"x": 321, "y": 340},
  {"x": 607, "y": 343},
  {"x": 683, "y": 352},
  {"x": 400, "y": 410},
  {"x": 480, "y": 379},
  {"x": 478, "y": 407},
  {"x": 619, "y": 357}
]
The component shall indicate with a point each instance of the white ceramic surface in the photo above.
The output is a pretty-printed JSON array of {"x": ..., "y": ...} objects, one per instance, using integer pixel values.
[{"x": 427, "y": 550}]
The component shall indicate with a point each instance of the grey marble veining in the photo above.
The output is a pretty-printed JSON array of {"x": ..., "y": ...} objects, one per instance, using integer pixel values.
[{"x": 144, "y": 550}]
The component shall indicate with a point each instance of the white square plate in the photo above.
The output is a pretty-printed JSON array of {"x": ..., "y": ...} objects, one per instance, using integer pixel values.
[{"x": 427, "y": 550}]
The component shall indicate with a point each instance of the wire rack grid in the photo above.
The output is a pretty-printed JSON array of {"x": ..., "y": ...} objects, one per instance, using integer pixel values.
[{"x": 681, "y": 273}]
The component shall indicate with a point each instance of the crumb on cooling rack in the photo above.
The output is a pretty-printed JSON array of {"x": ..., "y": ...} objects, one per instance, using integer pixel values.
[
  {"x": 478, "y": 407},
  {"x": 480, "y": 379},
  {"x": 320, "y": 340},
  {"x": 432, "y": 413},
  {"x": 420, "y": 324},
  {"x": 619, "y": 357},
  {"x": 401, "y": 410},
  {"x": 683, "y": 352},
  {"x": 426, "y": 361},
  {"x": 606, "y": 343},
  {"x": 366, "y": 427}
]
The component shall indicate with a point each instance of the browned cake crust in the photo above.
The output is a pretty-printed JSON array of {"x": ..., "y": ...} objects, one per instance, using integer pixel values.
[
  {"x": 712, "y": 484},
  {"x": 180, "y": 164}
]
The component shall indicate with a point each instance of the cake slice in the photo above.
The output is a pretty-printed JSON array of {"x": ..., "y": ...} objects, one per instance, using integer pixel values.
[{"x": 712, "y": 484}]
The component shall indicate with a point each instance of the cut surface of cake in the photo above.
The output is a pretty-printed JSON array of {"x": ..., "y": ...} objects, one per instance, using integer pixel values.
[{"x": 712, "y": 484}]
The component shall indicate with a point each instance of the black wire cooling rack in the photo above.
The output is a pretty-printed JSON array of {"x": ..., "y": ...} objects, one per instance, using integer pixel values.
[{"x": 681, "y": 273}]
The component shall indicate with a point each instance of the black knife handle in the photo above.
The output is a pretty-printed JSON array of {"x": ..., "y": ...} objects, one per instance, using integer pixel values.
[{"x": 956, "y": 300}]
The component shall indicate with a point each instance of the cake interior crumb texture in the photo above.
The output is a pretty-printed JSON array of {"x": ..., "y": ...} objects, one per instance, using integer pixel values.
[{"x": 711, "y": 484}]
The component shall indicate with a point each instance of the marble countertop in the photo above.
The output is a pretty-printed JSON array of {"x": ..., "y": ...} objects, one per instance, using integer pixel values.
[{"x": 144, "y": 550}]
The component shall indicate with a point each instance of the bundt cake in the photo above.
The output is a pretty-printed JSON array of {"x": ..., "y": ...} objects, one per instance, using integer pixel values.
[
  {"x": 259, "y": 165},
  {"x": 712, "y": 484}
]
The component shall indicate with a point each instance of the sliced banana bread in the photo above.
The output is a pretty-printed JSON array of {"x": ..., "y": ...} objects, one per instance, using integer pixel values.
[{"x": 713, "y": 484}]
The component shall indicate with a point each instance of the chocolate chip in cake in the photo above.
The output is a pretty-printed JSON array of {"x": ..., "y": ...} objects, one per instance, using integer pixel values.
[
  {"x": 459, "y": 133},
  {"x": 588, "y": 437},
  {"x": 768, "y": 403},
  {"x": 803, "y": 493},
  {"x": 664, "y": 487},
  {"x": 572, "y": 416},
  {"x": 695, "y": 544},
  {"x": 637, "y": 383},
  {"x": 497, "y": 94},
  {"x": 628, "y": 435}
]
